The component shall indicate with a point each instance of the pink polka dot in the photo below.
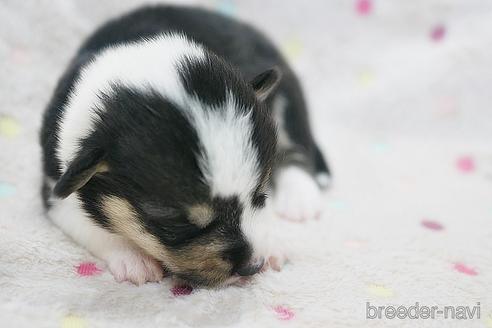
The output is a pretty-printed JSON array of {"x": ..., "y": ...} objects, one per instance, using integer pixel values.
[
  {"x": 20, "y": 56},
  {"x": 181, "y": 290},
  {"x": 432, "y": 225},
  {"x": 87, "y": 269},
  {"x": 446, "y": 107},
  {"x": 460, "y": 267},
  {"x": 465, "y": 164},
  {"x": 437, "y": 33},
  {"x": 283, "y": 313},
  {"x": 355, "y": 243},
  {"x": 363, "y": 7}
]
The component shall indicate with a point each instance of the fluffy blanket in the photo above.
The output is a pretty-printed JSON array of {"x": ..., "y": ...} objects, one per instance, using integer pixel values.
[{"x": 401, "y": 104}]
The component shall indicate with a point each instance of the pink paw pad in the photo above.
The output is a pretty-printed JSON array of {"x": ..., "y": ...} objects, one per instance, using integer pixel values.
[
  {"x": 87, "y": 269},
  {"x": 181, "y": 290},
  {"x": 283, "y": 313},
  {"x": 460, "y": 267}
]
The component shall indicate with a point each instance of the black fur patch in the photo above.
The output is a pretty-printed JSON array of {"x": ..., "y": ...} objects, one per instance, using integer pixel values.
[
  {"x": 210, "y": 79},
  {"x": 151, "y": 150}
]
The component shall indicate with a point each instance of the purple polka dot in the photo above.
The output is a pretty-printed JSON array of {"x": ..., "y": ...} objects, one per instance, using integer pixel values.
[
  {"x": 437, "y": 33},
  {"x": 181, "y": 290},
  {"x": 432, "y": 225}
]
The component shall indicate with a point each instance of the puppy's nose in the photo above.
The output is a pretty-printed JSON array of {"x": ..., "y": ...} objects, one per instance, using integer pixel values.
[{"x": 250, "y": 269}]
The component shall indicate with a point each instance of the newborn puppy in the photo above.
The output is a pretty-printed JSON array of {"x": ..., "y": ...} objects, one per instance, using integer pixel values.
[{"x": 160, "y": 145}]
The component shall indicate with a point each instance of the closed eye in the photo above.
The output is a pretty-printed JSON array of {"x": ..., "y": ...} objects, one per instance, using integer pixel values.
[
  {"x": 174, "y": 231},
  {"x": 169, "y": 224}
]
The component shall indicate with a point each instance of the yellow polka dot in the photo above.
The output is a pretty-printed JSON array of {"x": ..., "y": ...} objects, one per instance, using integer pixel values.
[
  {"x": 379, "y": 290},
  {"x": 488, "y": 320},
  {"x": 8, "y": 127},
  {"x": 292, "y": 48},
  {"x": 365, "y": 78},
  {"x": 73, "y": 321}
]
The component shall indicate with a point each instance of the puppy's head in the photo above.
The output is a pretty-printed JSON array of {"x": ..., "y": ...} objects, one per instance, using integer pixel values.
[{"x": 182, "y": 177}]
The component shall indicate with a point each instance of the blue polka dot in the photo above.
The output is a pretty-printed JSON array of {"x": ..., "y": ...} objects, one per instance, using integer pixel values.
[
  {"x": 381, "y": 147},
  {"x": 226, "y": 7},
  {"x": 6, "y": 190},
  {"x": 338, "y": 204}
]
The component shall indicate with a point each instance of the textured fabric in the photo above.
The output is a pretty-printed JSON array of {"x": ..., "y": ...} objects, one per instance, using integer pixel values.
[{"x": 400, "y": 98}]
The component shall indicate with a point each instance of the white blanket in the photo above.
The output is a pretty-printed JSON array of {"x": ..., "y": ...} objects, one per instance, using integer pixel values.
[{"x": 401, "y": 100}]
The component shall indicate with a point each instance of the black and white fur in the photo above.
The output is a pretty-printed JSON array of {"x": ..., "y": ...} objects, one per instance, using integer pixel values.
[{"x": 160, "y": 141}]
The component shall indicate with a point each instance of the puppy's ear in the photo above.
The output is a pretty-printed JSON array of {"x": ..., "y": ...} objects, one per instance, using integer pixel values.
[
  {"x": 265, "y": 83},
  {"x": 80, "y": 171}
]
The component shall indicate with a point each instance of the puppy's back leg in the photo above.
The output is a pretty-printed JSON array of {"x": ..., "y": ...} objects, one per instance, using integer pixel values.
[{"x": 301, "y": 170}]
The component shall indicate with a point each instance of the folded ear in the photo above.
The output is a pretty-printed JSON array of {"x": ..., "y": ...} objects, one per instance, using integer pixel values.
[
  {"x": 80, "y": 171},
  {"x": 265, "y": 83}
]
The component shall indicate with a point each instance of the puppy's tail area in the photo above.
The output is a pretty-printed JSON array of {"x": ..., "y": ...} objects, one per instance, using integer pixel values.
[{"x": 323, "y": 174}]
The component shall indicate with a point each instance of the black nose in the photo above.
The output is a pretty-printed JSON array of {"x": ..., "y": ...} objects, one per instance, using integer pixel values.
[{"x": 250, "y": 269}]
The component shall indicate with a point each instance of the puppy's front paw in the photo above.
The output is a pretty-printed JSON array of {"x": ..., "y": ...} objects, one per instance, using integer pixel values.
[
  {"x": 297, "y": 196},
  {"x": 134, "y": 266},
  {"x": 274, "y": 262}
]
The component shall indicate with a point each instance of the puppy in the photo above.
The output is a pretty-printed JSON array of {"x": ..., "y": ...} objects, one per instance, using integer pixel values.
[{"x": 163, "y": 138}]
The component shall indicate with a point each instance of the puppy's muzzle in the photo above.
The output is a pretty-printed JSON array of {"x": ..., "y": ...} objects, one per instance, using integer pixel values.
[{"x": 250, "y": 269}]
